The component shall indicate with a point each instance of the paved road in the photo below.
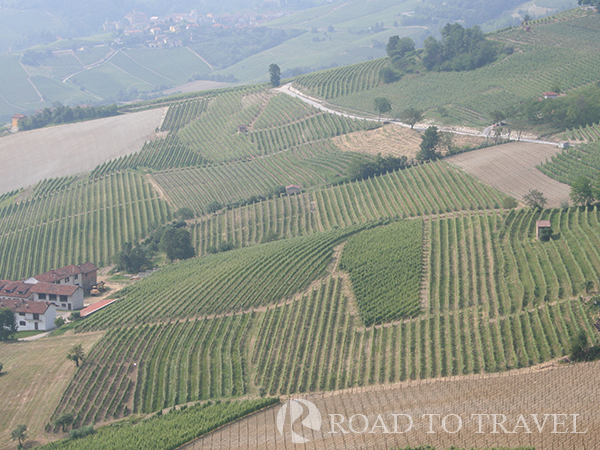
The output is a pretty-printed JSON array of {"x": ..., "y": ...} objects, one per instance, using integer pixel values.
[{"x": 288, "y": 89}]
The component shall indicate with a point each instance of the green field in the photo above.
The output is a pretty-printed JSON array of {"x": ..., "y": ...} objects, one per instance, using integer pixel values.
[{"x": 556, "y": 51}]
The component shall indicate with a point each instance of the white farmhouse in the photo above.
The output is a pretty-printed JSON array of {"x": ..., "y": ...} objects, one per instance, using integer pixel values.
[{"x": 31, "y": 315}]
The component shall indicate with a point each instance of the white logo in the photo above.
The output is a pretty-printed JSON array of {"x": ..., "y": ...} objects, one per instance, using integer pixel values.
[{"x": 312, "y": 420}]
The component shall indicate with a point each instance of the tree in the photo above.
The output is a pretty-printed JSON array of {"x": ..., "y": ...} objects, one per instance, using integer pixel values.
[
  {"x": 20, "y": 434},
  {"x": 1, "y": 367},
  {"x": 497, "y": 116},
  {"x": 59, "y": 322},
  {"x": 580, "y": 347},
  {"x": 535, "y": 199},
  {"x": 429, "y": 142},
  {"x": 76, "y": 354},
  {"x": 64, "y": 421},
  {"x": 184, "y": 213},
  {"x": 382, "y": 105},
  {"x": 213, "y": 207},
  {"x": 582, "y": 191},
  {"x": 509, "y": 203},
  {"x": 177, "y": 243},
  {"x": 133, "y": 258},
  {"x": 411, "y": 116},
  {"x": 8, "y": 324},
  {"x": 275, "y": 74}
]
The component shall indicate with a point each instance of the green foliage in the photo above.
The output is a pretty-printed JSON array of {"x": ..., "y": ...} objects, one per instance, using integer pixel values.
[
  {"x": 582, "y": 192},
  {"x": 213, "y": 207},
  {"x": 19, "y": 434},
  {"x": 8, "y": 324},
  {"x": 82, "y": 432},
  {"x": 460, "y": 49},
  {"x": 1, "y": 368},
  {"x": 59, "y": 322},
  {"x": 75, "y": 315},
  {"x": 177, "y": 243},
  {"x": 64, "y": 114},
  {"x": 385, "y": 269},
  {"x": 133, "y": 258},
  {"x": 76, "y": 354},
  {"x": 411, "y": 116},
  {"x": 430, "y": 139},
  {"x": 64, "y": 421},
  {"x": 509, "y": 203},
  {"x": 184, "y": 213},
  {"x": 274, "y": 75},
  {"x": 382, "y": 105},
  {"x": 164, "y": 432},
  {"x": 360, "y": 169},
  {"x": 535, "y": 199}
]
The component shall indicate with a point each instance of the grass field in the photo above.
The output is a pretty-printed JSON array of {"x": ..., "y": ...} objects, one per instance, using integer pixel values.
[{"x": 35, "y": 370}]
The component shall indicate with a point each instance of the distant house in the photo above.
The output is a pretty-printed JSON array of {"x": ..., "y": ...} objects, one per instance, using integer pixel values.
[
  {"x": 550, "y": 94},
  {"x": 16, "y": 118},
  {"x": 84, "y": 275},
  {"x": 242, "y": 128},
  {"x": 540, "y": 227},
  {"x": 64, "y": 297},
  {"x": 293, "y": 189},
  {"x": 563, "y": 145},
  {"x": 31, "y": 315}
]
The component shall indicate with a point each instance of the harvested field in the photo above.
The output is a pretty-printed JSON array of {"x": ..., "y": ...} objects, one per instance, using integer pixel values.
[
  {"x": 547, "y": 390},
  {"x": 511, "y": 168},
  {"x": 392, "y": 140},
  {"x": 31, "y": 156},
  {"x": 34, "y": 377}
]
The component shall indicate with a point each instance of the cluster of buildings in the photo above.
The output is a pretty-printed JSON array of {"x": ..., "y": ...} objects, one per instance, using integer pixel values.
[
  {"x": 35, "y": 300},
  {"x": 171, "y": 30}
]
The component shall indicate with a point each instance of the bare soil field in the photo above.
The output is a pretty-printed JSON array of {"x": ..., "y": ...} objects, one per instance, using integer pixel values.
[
  {"x": 511, "y": 168},
  {"x": 393, "y": 140},
  {"x": 30, "y": 156},
  {"x": 34, "y": 377},
  {"x": 546, "y": 407}
]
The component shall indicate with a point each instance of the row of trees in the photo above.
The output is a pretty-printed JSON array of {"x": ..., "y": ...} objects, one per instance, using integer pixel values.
[{"x": 60, "y": 113}]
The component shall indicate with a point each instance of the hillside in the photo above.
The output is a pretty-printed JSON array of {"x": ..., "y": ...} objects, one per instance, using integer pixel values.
[
  {"x": 556, "y": 51},
  {"x": 424, "y": 287}
]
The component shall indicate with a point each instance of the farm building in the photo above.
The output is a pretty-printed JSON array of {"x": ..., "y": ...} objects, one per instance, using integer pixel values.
[
  {"x": 293, "y": 189},
  {"x": 83, "y": 275},
  {"x": 16, "y": 118},
  {"x": 540, "y": 226},
  {"x": 65, "y": 297},
  {"x": 563, "y": 145},
  {"x": 31, "y": 315},
  {"x": 550, "y": 95}
]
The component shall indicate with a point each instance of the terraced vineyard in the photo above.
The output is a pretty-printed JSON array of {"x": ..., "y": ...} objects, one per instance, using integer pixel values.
[
  {"x": 434, "y": 188},
  {"x": 589, "y": 133},
  {"x": 555, "y": 51},
  {"x": 308, "y": 165},
  {"x": 574, "y": 162},
  {"x": 86, "y": 221}
]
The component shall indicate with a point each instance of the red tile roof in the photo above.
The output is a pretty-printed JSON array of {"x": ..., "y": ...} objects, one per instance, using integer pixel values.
[
  {"x": 51, "y": 288},
  {"x": 291, "y": 186},
  {"x": 550, "y": 94},
  {"x": 543, "y": 224},
  {"x": 25, "y": 306},
  {"x": 64, "y": 272},
  {"x": 16, "y": 289}
]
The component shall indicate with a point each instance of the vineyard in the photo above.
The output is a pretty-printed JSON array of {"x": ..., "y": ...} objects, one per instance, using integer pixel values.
[
  {"x": 71, "y": 223},
  {"x": 561, "y": 51},
  {"x": 385, "y": 269},
  {"x": 223, "y": 283},
  {"x": 434, "y": 188},
  {"x": 165, "y": 432},
  {"x": 567, "y": 166}
]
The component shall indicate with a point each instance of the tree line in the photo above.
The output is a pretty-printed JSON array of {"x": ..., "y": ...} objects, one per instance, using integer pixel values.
[
  {"x": 60, "y": 113},
  {"x": 459, "y": 49}
]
